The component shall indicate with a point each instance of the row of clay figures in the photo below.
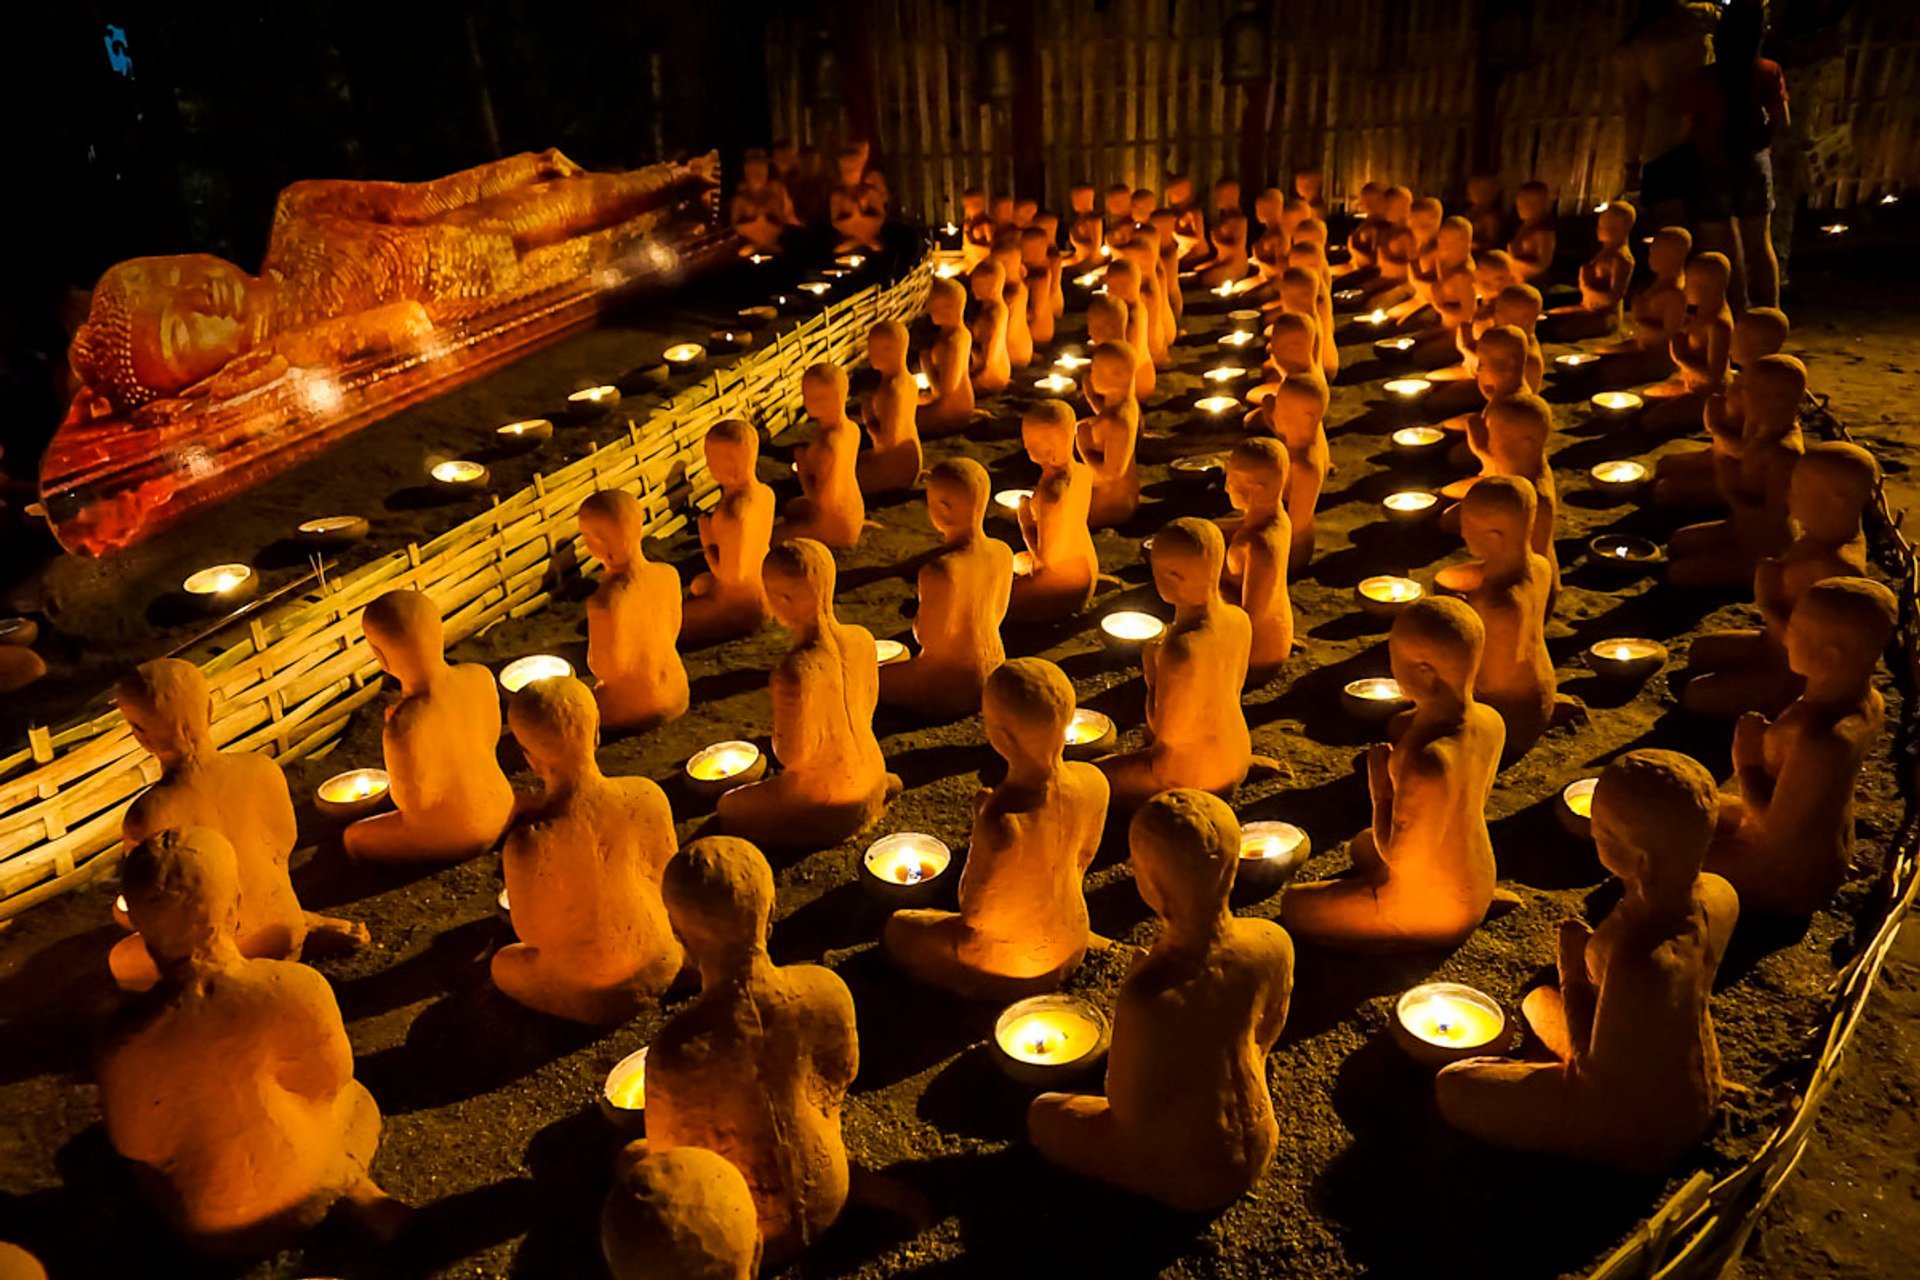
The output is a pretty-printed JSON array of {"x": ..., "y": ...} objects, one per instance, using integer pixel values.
[
  {"x": 744, "y": 1154},
  {"x": 790, "y": 188}
]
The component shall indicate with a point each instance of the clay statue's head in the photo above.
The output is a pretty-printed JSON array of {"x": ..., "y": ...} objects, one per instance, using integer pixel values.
[
  {"x": 1518, "y": 427},
  {"x": 887, "y": 348},
  {"x": 1761, "y": 331},
  {"x": 1164, "y": 222},
  {"x": 1503, "y": 362},
  {"x": 823, "y": 392},
  {"x": 753, "y": 169},
  {"x": 1226, "y": 194},
  {"x": 1707, "y": 277},
  {"x": 1123, "y": 279},
  {"x": 1299, "y": 290},
  {"x": 1311, "y": 230},
  {"x": 1667, "y": 255},
  {"x": 1080, "y": 199},
  {"x": 1838, "y": 630},
  {"x": 973, "y": 202},
  {"x": 183, "y": 894},
  {"x": 1111, "y": 372},
  {"x": 1001, "y": 208},
  {"x": 557, "y": 724},
  {"x": 1269, "y": 205},
  {"x": 680, "y": 1213},
  {"x": 1293, "y": 212},
  {"x": 732, "y": 449},
  {"x": 851, "y": 163},
  {"x": 1371, "y": 194},
  {"x": 946, "y": 302},
  {"x": 1483, "y": 191},
  {"x": 1143, "y": 249},
  {"x": 1048, "y": 225},
  {"x": 1532, "y": 201},
  {"x": 168, "y": 706},
  {"x": 1257, "y": 474},
  {"x": 1290, "y": 344},
  {"x": 1615, "y": 223},
  {"x": 1024, "y": 210},
  {"x": 17, "y": 1264},
  {"x": 1496, "y": 519},
  {"x": 1106, "y": 319},
  {"x": 1453, "y": 242},
  {"x": 1492, "y": 272},
  {"x": 1653, "y": 817},
  {"x": 799, "y": 576},
  {"x": 1309, "y": 255},
  {"x": 1424, "y": 216},
  {"x": 1830, "y": 487},
  {"x": 1035, "y": 246},
  {"x": 1179, "y": 190},
  {"x": 1396, "y": 205},
  {"x": 1435, "y": 647},
  {"x": 156, "y": 326},
  {"x": 1306, "y": 184},
  {"x": 404, "y": 631},
  {"x": 612, "y": 524},
  {"x": 719, "y": 899},
  {"x": 1230, "y": 230},
  {"x": 989, "y": 281},
  {"x": 957, "y": 493},
  {"x": 1518, "y": 305},
  {"x": 1774, "y": 386},
  {"x": 1187, "y": 555},
  {"x": 1025, "y": 710},
  {"x": 785, "y": 153},
  {"x": 1006, "y": 252},
  {"x": 1119, "y": 200},
  {"x": 1046, "y": 429},
  {"x": 1186, "y": 847}
]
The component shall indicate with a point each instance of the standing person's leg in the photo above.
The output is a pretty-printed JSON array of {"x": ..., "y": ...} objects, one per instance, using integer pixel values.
[{"x": 1754, "y": 226}]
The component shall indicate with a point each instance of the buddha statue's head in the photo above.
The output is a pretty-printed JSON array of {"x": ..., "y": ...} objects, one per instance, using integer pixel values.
[
  {"x": 1112, "y": 370},
  {"x": 1001, "y": 207},
  {"x": 851, "y": 164},
  {"x": 1290, "y": 341},
  {"x": 612, "y": 524},
  {"x": 1306, "y": 184},
  {"x": 957, "y": 492},
  {"x": 1424, "y": 216},
  {"x": 754, "y": 169},
  {"x": 823, "y": 392},
  {"x": 1299, "y": 290},
  {"x": 1141, "y": 204},
  {"x": 157, "y": 326},
  {"x": 1774, "y": 386},
  {"x": 719, "y": 899},
  {"x": 1269, "y": 205},
  {"x": 557, "y": 724},
  {"x": 1496, "y": 519},
  {"x": 1518, "y": 427},
  {"x": 1106, "y": 319},
  {"x": 183, "y": 894},
  {"x": 406, "y": 635},
  {"x": 168, "y": 707},
  {"x": 1179, "y": 190},
  {"x": 1293, "y": 212},
  {"x": 1435, "y": 647},
  {"x": 1025, "y": 209},
  {"x": 1226, "y": 194},
  {"x": 1080, "y": 199},
  {"x": 1311, "y": 230},
  {"x": 1483, "y": 190},
  {"x": 732, "y": 449},
  {"x": 989, "y": 281},
  {"x": 946, "y": 302},
  {"x": 1492, "y": 272},
  {"x": 679, "y": 1213},
  {"x": 1307, "y": 254},
  {"x": 1186, "y": 557},
  {"x": 973, "y": 202},
  {"x": 887, "y": 347},
  {"x": 1831, "y": 486},
  {"x": 1838, "y": 631},
  {"x": 1371, "y": 194},
  {"x": 1046, "y": 430},
  {"x": 1667, "y": 255},
  {"x": 1707, "y": 277},
  {"x": 1257, "y": 474},
  {"x": 1453, "y": 241},
  {"x": 1396, "y": 205},
  {"x": 1118, "y": 200},
  {"x": 1035, "y": 248},
  {"x": 1518, "y": 305},
  {"x": 1653, "y": 817},
  {"x": 1615, "y": 223},
  {"x": 1025, "y": 710},
  {"x": 799, "y": 576},
  {"x": 1533, "y": 201},
  {"x": 1503, "y": 362},
  {"x": 1185, "y": 847},
  {"x": 1123, "y": 280},
  {"x": 1760, "y": 331}
]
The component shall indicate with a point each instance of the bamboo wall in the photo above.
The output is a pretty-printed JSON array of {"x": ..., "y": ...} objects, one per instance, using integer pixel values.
[
  {"x": 1130, "y": 90},
  {"x": 286, "y": 680}
]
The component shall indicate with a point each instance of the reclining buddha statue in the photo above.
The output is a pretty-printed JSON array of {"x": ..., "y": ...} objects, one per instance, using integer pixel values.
[{"x": 197, "y": 379}]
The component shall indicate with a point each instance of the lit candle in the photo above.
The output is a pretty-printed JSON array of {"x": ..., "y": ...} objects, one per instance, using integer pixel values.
[
  {"x": 1575, "y": 359},
  {"x": 759, "y": 259},
  {"x": 922, "y": 381},
  {"x": 459, "y": 475},
  {"x": 1224, "y": 373},
  {"x": 1223, "y": 290},
  {"x": 889, "y": 652},
  {"x": 948, "y": 270},
  {"x": 1125, "y": 631},
  {"x": 684, "y": 355},
  {"x": 729, "y": 340},
  {"x": 1106, "y": 251},
  {"x": 521, "y": 672},
  {"x": 1441, "y": 1022},
  {"x": 1394, "y": 346},
  {"x": 623, "y": 1098},
  {"x": 504, "y": 903},
  {"x": 1009, "y": 500},
  {"x": 1621, "y": 476},
  {"x": 816, "y": 287},
  {"x": 905, "y": 868},
  {"x": 1088, "y": 279},
  {"x": 352, "y": 794},
  {"x": 1376, "y": 317},
  {"x": 949, "y": 229},
  {"x": 1055, "y": 382},
  {"x": 331, "y": 531},
  {"x": 1022, "y": 563},
  {"x": 836, "y": 273},
  {"x": 1048, "y": 1040},
  {"x": 1239, "y": 338},
  {"x": 1216, "y": 405},
  {"x": 724, "y": 766},
  {"x": 1070, "y": 361},
  {"x": 525, "y": 434},
  {"x": 1626, "y": 658},
  {"x": 1601, "y": 207},
  {"x": 1889, "y": 198},
  {"x": 1575, "y": 808},
  {"x": 1407, "y": 390},
  {"x": 1384, "y": 595},
  {"x": 1622, "y": 552},
  {"x": 1089, "y": 733},
  {"x": 1271, "y": 853},
  {"x": 851, "y": 261},
  {"x": 1347, "y": 295},
  {"x": 119, "y": 912},
  {"x": 1374, "y": 698},
  {"x": 1417, "y": 440},
  {"x": 221, "y": 585},
  {"x": 1835, "y": 228},
  {"x": 594, "y": 399},
  {"x": 1409, "y": 506},
  {"x": 1617, "y": 403},
  {"x": 1199, "y": 466}
]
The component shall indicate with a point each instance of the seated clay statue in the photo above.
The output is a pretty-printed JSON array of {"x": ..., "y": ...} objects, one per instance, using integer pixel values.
[
  {"x": 1632, "y": 1073},
  {"x": 1109, "y": 441},
  {"x": 1295, "y": 414},
  {"x": 893, "y": 463},
  {"x": 992, "y": 363},
  {"x": 946, "y": 406},
  {"x": 1039, "y": 259},
  {"x": 17, "y": 1264},
  {"x": 1085, "y": 232},
  {"x": 241, "y": 794},
  {"x": 833, "y": 781},
  {"x": 830, "y": 508},
  {"x": 1312, "y": 258},
  {"x": 1603, "y": 279},
  {"x": 633, "y": 618},
  {"x": 857, "y": 206},
  {"x": 1533, "y": 245},
  {"x": 1229, "y": 263},
  {"x": 680, "y": 1214},
  {"x": 756, "y": 1069},
  {"x": 1186, "y": 1118},
  {"x": 1196, "y": 728},
  {"x": 1062, "y": 569},
  {"x": 1143, "y": 251},
  {"x": 1510, "y": 439},
  {"x": 1753, "y": 484},
  {"x": 1690, "y": 477},
  {"x": 761, "y": 210},
  {"x": 1022, "y": 924},
  {"x": 1189, "y": 221},
  {"x": 1308, "y": 185},
  {"x": 1699, "y": 348},
  {"x": 583, "y": 868},
  {"x": 1660, "y": 308},
  {"x": 1486, "y": 212},
  {"x": 1424, "y": 216},
  {"x": 727, "y": 599},
  {"x": 450, "y": 799},
  {"x": 1519, "y": 305},
  {"x": 230, "y": 1084},
  {"x": 1786, "y": 840},
  {"x": 1747, "y": 669},
  {"x": 1394, "y": 250},
  {"x": 1255, "y": 575},
  {"x": 1508, "y": 585},
  {"x": 1423, "y": 871},
  {"x": 1123, "y": 292},
  {"x": 1118, "y": 206},
  {"x": 1363, "y": 242},
  {"x": 963, "y": 593},
  {"x": 976, "y": 227},
  {"x": 1014, "y": 292}
]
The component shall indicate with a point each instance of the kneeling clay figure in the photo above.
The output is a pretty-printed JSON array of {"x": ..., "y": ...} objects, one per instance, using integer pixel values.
[
  {"x": 583, "y": 871},
  {"x": 633, "y": 619},
  {"x": 830, "y": 508},
  {"x": 1022, "y": 924},
  {"x": 1423, "y": 873},
  {"x": 1255, "y": 577},
  {"x": 757, "y": 1067},
  {"x": 1186, "y": 1118},
  {"x": 1633, "y": 1080},
  {"x": 1063, "y": 568},
  {"x": 450, "y": 799},
  {"x": 893, "y": 463},
  {"x": 230, "y": 1084},
  {"x": 1508, "y": 586},
  {"x": 946, "y": 407},
  {"x": 681, "y": 1214},
  {"x": 728, "y": 599},
  {"x": 832, "y": 781}
]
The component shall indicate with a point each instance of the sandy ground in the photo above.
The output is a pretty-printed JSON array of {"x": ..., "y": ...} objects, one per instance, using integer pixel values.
[{"x": 491, "y": 1126}]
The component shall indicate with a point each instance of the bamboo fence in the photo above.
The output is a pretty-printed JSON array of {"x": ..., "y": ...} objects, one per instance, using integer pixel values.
[
  {"x": 1130, "y": 91},
  {"x": 286, "y": 680}
]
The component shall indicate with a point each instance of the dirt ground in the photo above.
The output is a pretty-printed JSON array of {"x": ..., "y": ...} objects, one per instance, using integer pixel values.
[{"x": 491, "y": 1127}]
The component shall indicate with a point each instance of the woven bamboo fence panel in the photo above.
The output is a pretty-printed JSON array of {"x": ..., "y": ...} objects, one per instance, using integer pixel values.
[
  {"x": 286, "y": 679},
  {"x": 1131, "y": 91}
]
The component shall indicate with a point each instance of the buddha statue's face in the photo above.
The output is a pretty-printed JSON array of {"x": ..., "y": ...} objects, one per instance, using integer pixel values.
[
  {"x": 1501, "y": 369},
  {"x": 1254, "y": 486},
  {"x": 1668, "y": 255},
  {"x": 187, "y": 316},
  {"x": 730, "y": 460},
  {"x": 1531, "y": 202},
  {"x": 1048, "y": 440},
  {"x": 754, "y": 172},
  {"x": 1183, "y": 574},
  {"x": 1482, "y": 190},
  {"x": 1082, "y": 200},
  {"x": 824, "y": 397}
]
